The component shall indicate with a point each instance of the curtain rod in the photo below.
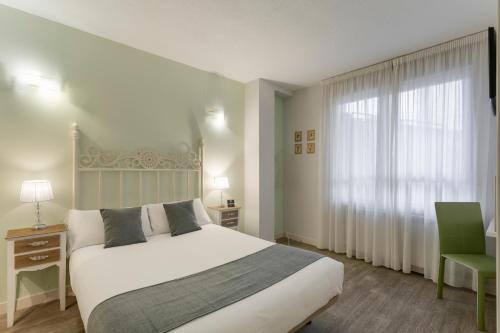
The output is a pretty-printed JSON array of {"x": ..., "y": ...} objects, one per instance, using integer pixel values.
[{"x": 404, "y": 55}]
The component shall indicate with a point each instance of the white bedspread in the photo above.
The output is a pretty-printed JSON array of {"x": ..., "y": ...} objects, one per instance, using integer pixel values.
[{"x": 98, "y": 274}]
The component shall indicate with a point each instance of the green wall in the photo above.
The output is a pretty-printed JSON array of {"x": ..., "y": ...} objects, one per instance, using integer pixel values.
[
  {"x": 279, "y": 147},
  {"x": 121, "y": 97}
]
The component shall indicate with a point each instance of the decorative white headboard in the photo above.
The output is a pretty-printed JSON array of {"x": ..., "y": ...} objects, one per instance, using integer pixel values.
[{"x": 172, "y": 173}]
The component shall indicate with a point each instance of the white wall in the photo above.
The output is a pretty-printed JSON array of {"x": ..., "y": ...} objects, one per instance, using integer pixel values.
[
  {"x": 252, "y": 142},
  {"x": 301, "y": 188},
  {"x": 266, "y": 162},
  {"x": 259, "y": 158},
  {"x": 279, "y": 162}
]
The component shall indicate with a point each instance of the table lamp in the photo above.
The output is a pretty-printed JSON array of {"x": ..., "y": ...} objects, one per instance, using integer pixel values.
[
  {"x": 221, "y": 183},
  {"x": 36, "y": 191}
]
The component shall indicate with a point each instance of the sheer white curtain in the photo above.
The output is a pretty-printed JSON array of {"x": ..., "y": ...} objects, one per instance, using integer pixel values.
[{"x": 397, "y": 137}]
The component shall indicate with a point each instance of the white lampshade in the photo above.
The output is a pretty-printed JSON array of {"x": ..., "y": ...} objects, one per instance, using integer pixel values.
[
  {"x": 36, "y": 191},
  {"x": 221, "y": 183}
]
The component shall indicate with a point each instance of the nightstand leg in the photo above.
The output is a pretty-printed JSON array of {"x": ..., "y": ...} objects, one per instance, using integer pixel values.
[
  {"x": 11, "y": 284},
  {"x": 11, "y": 296},
  {"x": 62, "y": 287}
]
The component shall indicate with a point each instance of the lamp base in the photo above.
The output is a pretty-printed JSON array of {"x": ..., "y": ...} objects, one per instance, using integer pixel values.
[{"x": 39, "y": 226}]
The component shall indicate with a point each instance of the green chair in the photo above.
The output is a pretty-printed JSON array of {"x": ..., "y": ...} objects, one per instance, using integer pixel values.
[{"x": 461, "y": 239}]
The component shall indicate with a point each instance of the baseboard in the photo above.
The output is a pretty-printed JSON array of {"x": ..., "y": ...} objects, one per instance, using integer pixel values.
[
  {"x": 302, "y": 239},
  {"x": 35, "y": 299},
  {"x": 279, "y": 235}
]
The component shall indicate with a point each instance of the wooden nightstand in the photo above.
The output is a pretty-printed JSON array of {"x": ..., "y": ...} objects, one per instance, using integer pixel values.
[
  {"x": 228, "y": 217},
  {"x": 33, "y": 250}
]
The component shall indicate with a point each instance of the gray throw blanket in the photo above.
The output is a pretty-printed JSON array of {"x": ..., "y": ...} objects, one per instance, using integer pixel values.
[{"x": 163, "y": 307}]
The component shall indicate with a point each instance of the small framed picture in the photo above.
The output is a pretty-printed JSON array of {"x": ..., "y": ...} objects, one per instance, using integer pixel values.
[
  {"x": 311, "y": 148},
  {"x": 311, "y": 135},
  {"x": 230, "y": 203},
  {"x": 298, "y": 136},
  {"x": 298, "y": 148}
]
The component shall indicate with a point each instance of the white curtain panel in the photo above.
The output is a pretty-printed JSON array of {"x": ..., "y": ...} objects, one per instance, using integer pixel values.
[{"x": 397, "y": 137}]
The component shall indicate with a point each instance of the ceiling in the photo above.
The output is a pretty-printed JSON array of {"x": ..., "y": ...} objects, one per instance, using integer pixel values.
[{"x": 297, "y": 42}]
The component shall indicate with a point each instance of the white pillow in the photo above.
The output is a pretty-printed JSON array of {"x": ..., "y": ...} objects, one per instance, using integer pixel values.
[
  {"x": 200, "y": 212},
  {"x": 158, "y": 217},
  {"x": 85, "y": 228}
]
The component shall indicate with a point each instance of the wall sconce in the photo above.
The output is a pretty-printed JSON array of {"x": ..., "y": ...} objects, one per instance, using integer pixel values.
[
  {"x": 38, "y": 81},
  {"x": 216, "y": 116}
]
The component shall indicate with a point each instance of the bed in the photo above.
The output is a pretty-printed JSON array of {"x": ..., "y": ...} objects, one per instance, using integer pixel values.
[
  {"x": 280, "y": 308},
  {"x": 99, "y": 276}
]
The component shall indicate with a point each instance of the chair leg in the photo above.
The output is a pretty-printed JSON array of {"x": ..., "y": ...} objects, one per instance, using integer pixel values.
[
  {"x": 440, "y": 277},
  {"x": 480, "y": 302}
]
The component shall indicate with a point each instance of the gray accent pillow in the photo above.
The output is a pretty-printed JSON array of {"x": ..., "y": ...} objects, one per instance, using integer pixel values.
[
  {"x": 122, "y": 226},
  {"x": 181, "y": 217}
]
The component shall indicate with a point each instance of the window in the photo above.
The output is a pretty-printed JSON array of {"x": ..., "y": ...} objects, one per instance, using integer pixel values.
[
  {"x": 422, "y": 140},
  {"x": 431, "y": 153},
  {"x": 363, "y": 109}
]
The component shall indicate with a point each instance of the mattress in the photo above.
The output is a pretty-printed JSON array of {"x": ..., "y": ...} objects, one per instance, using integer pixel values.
[{"x": 98, "y": 274}]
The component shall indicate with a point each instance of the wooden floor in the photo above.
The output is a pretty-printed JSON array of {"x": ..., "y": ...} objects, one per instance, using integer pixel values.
[
  {"x": 377, "y": 299},
  {"x": 374, "y": 300}
]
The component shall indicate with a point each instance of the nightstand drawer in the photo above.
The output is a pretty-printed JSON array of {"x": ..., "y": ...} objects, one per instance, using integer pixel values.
[
  {"x": 230, "y": 214},
  {"x": 38, "y": 258},
  {"x": 229, "y": 223},
  {"x": 35, "y": 244}
]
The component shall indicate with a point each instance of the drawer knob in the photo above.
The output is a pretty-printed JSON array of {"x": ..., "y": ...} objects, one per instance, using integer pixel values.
[
  {"x": 39, "y": 243},
  {"x": 38, "y": 258}
]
